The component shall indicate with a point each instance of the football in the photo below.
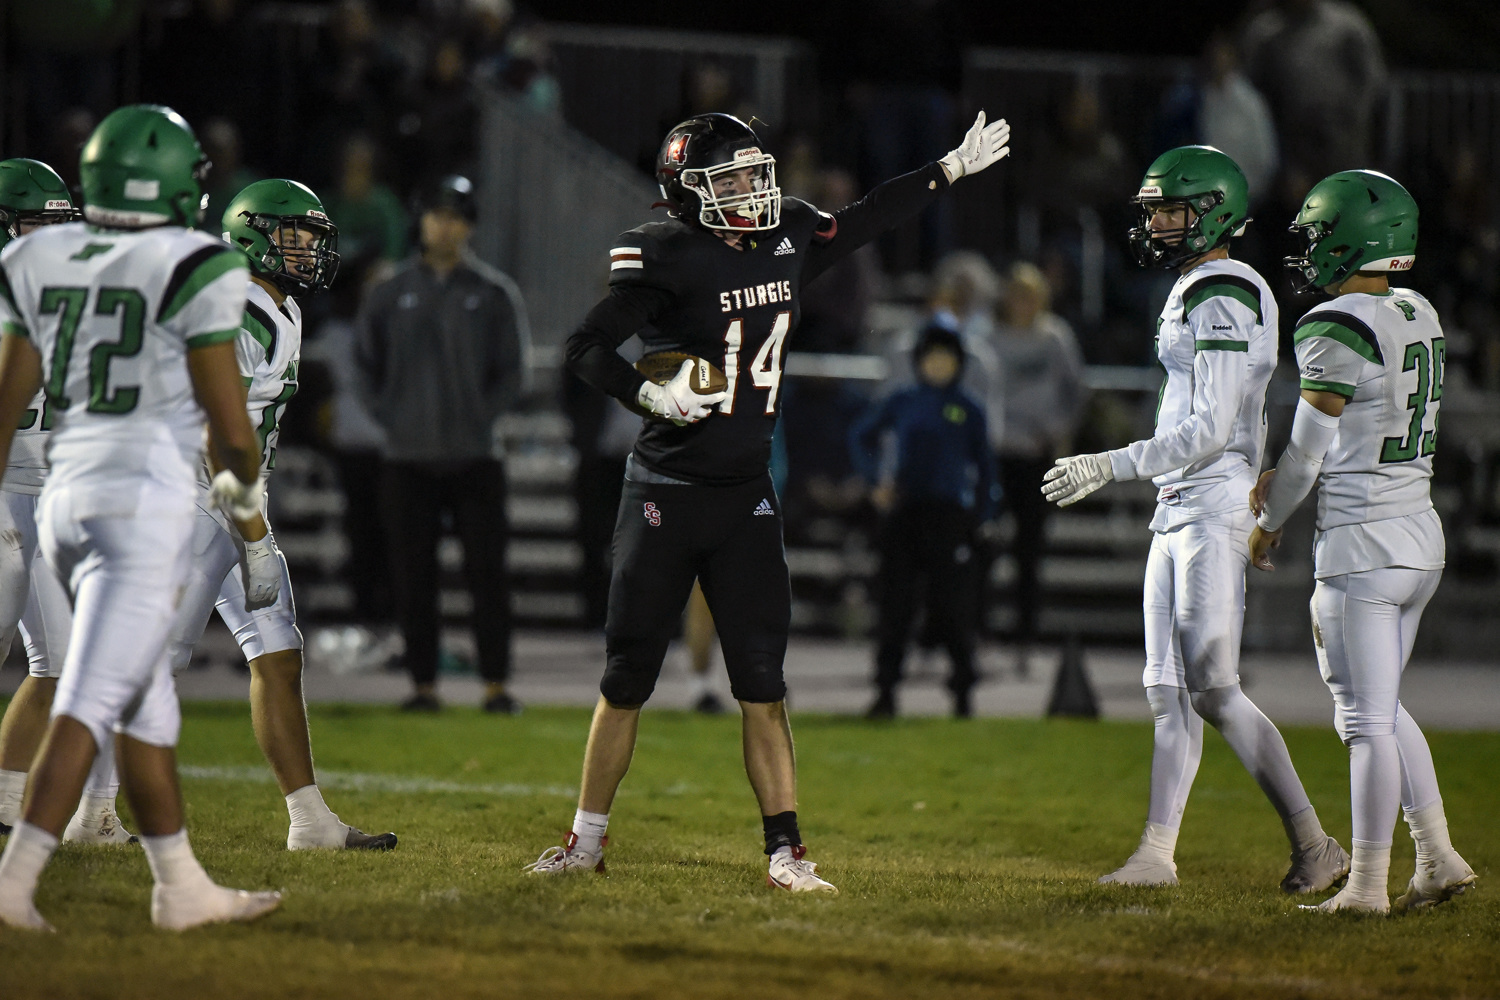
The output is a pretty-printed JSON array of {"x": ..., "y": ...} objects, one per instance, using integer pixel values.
[{"x": 662, "y": 367}]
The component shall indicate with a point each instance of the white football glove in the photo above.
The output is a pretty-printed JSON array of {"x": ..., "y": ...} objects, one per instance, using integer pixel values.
[
  {"x": 676, "y": 400},
  {"x": 982, "y": 146},
  {"x": 1072, "y": 479},
  {"x": 240, "y": 501},
  {"x": 260, "y": 572}
]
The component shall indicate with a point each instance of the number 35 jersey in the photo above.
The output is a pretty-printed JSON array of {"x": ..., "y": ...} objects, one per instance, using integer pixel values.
[
  {"x": 1384, "y": 354},
  {"x": 113, "y": 314}
]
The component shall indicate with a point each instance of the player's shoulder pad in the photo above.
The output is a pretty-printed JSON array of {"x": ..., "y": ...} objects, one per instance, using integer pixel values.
[
  {"x": 1333, "y": 321},
  {"x": 198, "y": 260},
  {"x": 1237, "y": 284},
  {"x": 259, "y": 322}
]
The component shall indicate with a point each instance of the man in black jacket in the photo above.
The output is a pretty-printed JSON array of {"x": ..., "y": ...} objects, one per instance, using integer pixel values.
[
  {"x": 441, "y": 350},
  {"x": 721, "y": 280}
]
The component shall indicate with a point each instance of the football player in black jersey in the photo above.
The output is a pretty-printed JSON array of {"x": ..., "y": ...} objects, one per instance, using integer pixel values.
[{"x": 721, "y": 280}]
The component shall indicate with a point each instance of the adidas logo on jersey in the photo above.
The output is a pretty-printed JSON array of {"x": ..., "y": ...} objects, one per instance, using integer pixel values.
[
  {"x": 782, "y": 249},
  {"x": 765, "y": 508}
]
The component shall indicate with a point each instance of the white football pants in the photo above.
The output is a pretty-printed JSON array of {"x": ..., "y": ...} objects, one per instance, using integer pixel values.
[
  {"x": 1364, "y": 625},
  {"x": 126, "y": 576},
  {"x": 46, "y": 616}
]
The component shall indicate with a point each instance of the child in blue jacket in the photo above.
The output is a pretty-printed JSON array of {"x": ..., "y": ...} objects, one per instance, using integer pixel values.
[{"x": 941, "y": 488}]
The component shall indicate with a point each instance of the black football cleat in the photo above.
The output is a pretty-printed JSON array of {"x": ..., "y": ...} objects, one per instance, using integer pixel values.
[{"x": 358, "y": 840}]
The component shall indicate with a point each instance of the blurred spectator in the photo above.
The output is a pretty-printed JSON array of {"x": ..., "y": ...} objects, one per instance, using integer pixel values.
[
  {"x": 528, "y": 71},
  {"x": 1220, "y": 107},
  {"x": 1084, "y": 164},
  {"x": 229, "y": 175},
  {"x": 441, "y": 355},
  {"x": 361, "y": 80},
  {"x": 70, "y": 52},
  {"x": 940, "y": 486},
  {"x": 372, "y": 224},
  {"x": 439, "y": 134},
  {"x": 1319, "y": 65},
  {"x": 1043, "y": 399}
]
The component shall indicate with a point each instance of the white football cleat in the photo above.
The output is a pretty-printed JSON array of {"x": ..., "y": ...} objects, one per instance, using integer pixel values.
[
  {"x": 1142, "y": 868},
  {"x": 1436, "y": 882},
  {"x": 1348, "y": 901},
  {"x": 97, "y": 827},
  {"x": 179, "y": 907},
  {"x": 22, "y": 915},
  {"x": 568, "y": 858},
  {"x": 791, "y": 872},
  {"x": 1316, "y": 870}
]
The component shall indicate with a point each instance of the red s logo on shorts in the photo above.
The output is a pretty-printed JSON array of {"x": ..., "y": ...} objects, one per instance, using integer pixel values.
[{"x": 653, "y": 515}]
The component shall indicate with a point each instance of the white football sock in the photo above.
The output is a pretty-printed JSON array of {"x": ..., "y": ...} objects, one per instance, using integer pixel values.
[
  {"x": 103, "y": 780},
  {"x": 1258, "y": 745},
  {"x": 1176, "y": 750},
  {"x": 1374, "y": 787},
  {"x": 1158, "y": 842},
  {"x": 1419, "y": 785},
  {"x": 26, "y": 854},
  {"x": 1304, "y": 830},
  {"x": 1429, "y": 828},
  {"x": 306, "y": 808},
  {"x": 12, "y": 791},
  {"x": 1369, "y": 871},
  {"x": 172, "y": 861},
  {"x": 589, "y": 828}
]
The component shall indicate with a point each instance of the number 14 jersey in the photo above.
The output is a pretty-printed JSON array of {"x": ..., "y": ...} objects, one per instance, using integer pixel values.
[{"x": 1385, "y": 355}]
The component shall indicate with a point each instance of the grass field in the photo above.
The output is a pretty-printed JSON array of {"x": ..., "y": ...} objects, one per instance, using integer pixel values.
[{"x": 966, "y": 854}]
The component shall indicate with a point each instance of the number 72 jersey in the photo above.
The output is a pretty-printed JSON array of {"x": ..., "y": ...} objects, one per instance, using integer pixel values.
[
  {"x": 1385, "y": 355},
  {"x": 113, "y": 315}
]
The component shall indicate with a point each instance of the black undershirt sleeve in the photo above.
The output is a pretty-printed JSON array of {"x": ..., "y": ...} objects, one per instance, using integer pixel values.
[
  {"x": 592, "y": 352},
  {"x": 885, "y": 207}
]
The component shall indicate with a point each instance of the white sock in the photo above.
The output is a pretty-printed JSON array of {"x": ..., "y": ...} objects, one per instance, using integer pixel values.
[
  {"x": 1369, "y": 870},
  {"x": 12, "y": 791},
  {"x": 26, "y": 854},
  {"x": 307, "y": 808},
  {"x": 1429, "y": 828},
  {"x": 1158, "y": 842},
  {"x": 589, "y": 829},
  {"x": 1419, "y": 785},
  {"x": 103, "y": 780},
  {"x": 1177, "y": 747},
  {"x": 1304, "y": 830},
  {"x": 92, "y": 805},
  {"x": 172, "y": 861}
]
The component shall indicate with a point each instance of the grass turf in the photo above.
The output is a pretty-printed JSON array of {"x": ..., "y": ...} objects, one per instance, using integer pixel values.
[{"x": 966, "y": 854}]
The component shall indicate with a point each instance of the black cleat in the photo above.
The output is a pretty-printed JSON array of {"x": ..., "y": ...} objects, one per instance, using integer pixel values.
[
  {"x": 4, "y": 830},
  {"x": 884, "y": 706},
  {"x": 502, "y": 704},
  {"x": 361, "y": 841},
  {"x": 422, "y": 703},
  {"x": 709, "y": 704}
]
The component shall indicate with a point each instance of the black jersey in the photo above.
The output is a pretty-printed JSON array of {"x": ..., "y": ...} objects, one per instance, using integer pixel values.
[{"x": 682, "y": 288}]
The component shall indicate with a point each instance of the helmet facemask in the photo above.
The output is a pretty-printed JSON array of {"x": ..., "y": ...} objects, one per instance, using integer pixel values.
[
  {"x": 759, "y": 209},
  {"x": 1303, "y": 268},
  {"x": 1170, "y": 248},
  {"x": 300, "y": 252}
]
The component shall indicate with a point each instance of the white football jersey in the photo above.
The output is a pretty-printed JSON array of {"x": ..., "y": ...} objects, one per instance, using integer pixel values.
[
  {"x": 1385, "y": 354},
  {"x": 114, "y": 314},
  {"x": 269, "y": 349},
  {"x": 1216, "y": 339},
  {"x": 26, "y": 468}
]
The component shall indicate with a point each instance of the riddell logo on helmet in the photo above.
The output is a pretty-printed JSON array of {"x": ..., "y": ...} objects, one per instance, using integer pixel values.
[
  {"x": 745, "y": 154},
  {"x": 57, "y": 203},
  {"x": 1402, "y": 263},
  {"x": 1149, "y": 192}
]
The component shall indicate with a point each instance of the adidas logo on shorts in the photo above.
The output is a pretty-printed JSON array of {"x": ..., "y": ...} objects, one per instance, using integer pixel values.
[
  {"x": 782, "y": 249},
  {"x": 765, "y": 508}
]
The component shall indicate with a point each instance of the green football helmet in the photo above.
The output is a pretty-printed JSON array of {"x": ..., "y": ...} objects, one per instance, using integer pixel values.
[
  {"x": 282, "y": 227},
  {"x": 143, "y": 167},
  {"x": 1210, "y": 185},
  {"x": 32, "y": 194},
  {"x": 1354, "y": 220}
]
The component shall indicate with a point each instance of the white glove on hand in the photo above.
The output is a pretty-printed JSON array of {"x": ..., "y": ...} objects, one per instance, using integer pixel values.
[
  {"x": 1072, "y": 479},
  {"x": 676, "y": 400},
  {"x": 982, "y": 146},
  {"x": 260, "y": 572},
  {"x": 240, "y": 501}
]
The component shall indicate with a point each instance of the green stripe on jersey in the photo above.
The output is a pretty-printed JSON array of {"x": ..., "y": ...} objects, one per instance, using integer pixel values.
[
  {"x": 1222, "y": 345},
  {"x": 1344, "y": 329},
  {"x": 257, "y": 329},
  {"x": 209, "y": 339},
  {"x": 1347, "y": 391},
  {"x": 15, "y": 329},
  {"x": 1209, "y": 288},
  {"x": 208, "y": 269}
]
